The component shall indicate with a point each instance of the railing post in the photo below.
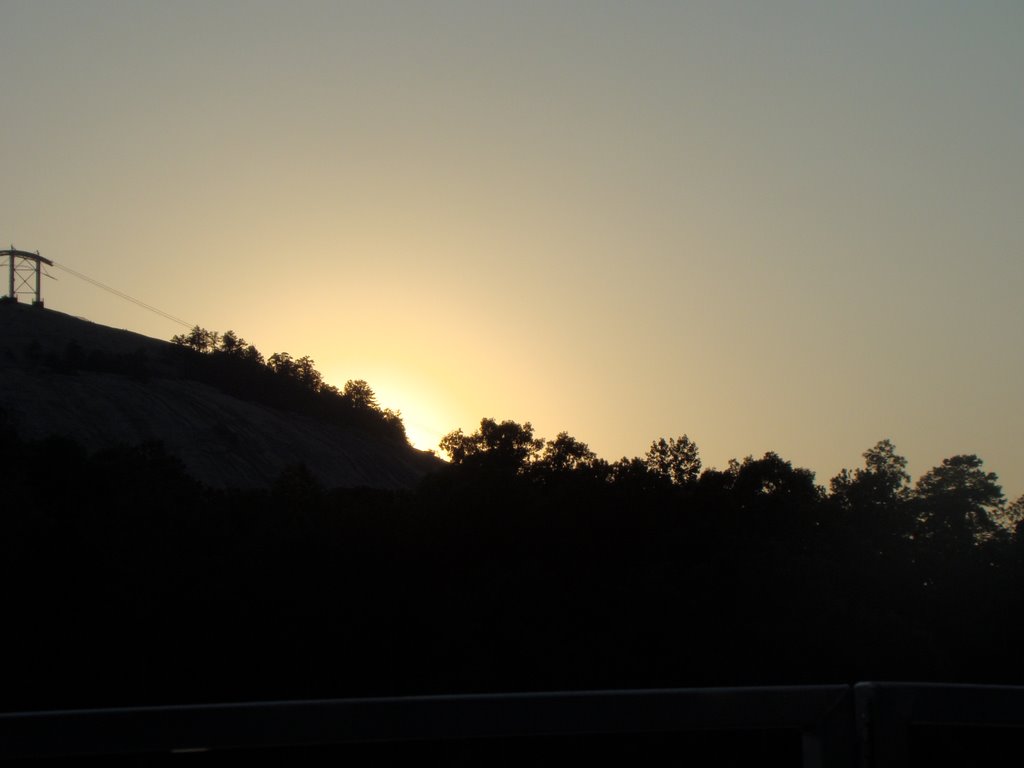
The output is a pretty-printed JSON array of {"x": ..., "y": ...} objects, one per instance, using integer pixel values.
[
  {"x": 883, "y": 721},
  {"x": 832, "y": 741}
]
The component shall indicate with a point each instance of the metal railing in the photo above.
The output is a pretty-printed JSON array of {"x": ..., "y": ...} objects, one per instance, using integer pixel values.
[
  {"x": 888, "y": 714},
  {"x": 867, "y": 724}
]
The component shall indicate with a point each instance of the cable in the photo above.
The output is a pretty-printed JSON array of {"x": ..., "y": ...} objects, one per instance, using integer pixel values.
[{"x": 125, "y": 296}]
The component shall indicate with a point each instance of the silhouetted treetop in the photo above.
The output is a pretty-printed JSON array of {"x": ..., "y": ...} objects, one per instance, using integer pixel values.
[
  {"x": 565, "y": 454},
  {"x": 1012, "y": 514},
  {"x": 359, "y": 394},
  {"x": 772, "y": 476},
  {"x": 961, "y": 478},
  {"x": 957, "y": 499},
  {"x": 198, "y": 339},
  {"x": 282, "y": 380},
  {"x": 505, "y": 446},
  {"x": 676, "y": 460},
  {"x": 883, "y": 480}
]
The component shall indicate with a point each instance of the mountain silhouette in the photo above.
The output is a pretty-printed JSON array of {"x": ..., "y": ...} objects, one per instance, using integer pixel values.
[{"x": 101, "y": 387}]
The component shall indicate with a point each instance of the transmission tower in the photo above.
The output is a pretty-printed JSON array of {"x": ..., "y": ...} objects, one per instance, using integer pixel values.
[{"x": 25, "y": 268}]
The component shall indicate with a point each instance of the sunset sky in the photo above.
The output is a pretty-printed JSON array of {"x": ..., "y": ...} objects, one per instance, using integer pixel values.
[{"x": 788, "y": 226}]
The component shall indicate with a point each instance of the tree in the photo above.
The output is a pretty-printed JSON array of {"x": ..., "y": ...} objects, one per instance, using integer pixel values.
[
  {"x": 565, "y": 454},
  {"x": 676, "y": 459},
  {"x": 633, "y": 475},
  {"x": 282, "y": 364},
  {"x": 232, "y": 344},
  {"x": 359, "y": 394},
  {"x": 199, "y": 339},
  {"x": 457, "y": 446},
  {"x": 1010, "y": 516},
  {"x": 890, "y": 469},
  {"x": 505, "y": 446},
  {"x": 773, "y": 477},
  {"x": 252, "y": 354},
  {"x": 873, "y": 503},
  {"x": 393, "y": 420},
  {"x": 956, "y": 500},
  {"x": 883, "y": 482},
  {"x": 306, "y": 372}
]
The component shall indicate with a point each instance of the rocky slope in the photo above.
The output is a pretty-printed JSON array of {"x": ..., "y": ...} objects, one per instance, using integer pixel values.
[{"x": 223, "y": 441}]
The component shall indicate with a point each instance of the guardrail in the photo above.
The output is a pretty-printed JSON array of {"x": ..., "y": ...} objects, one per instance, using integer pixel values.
[
  {"x": 893, "y": 718},
  {"x": 868, "y": 724}
]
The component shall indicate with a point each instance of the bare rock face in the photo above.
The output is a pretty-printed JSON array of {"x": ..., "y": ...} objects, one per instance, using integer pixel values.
[{"x": 222, "y": 440}]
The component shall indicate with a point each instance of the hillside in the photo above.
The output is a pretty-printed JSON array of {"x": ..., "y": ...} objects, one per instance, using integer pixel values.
[{"x": 132, "y": 389}]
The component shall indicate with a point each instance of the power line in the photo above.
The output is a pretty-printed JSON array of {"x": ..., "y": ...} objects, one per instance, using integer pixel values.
[{"x": 123, "y": 295}]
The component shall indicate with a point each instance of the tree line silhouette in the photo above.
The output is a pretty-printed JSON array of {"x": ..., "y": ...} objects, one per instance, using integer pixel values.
[
  {"x": 238, "y": 368},
  {"x": 523, "y": 563},
  {"x": 520, "y": 564}
]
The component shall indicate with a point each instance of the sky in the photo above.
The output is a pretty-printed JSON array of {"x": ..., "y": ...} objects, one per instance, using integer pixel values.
[{"x": 786, "y": 226}]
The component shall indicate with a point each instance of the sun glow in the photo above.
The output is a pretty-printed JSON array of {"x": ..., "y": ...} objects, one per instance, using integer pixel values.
[
  {"x": 420, "y": 436},
  {"x": 425, "y": 412}
]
